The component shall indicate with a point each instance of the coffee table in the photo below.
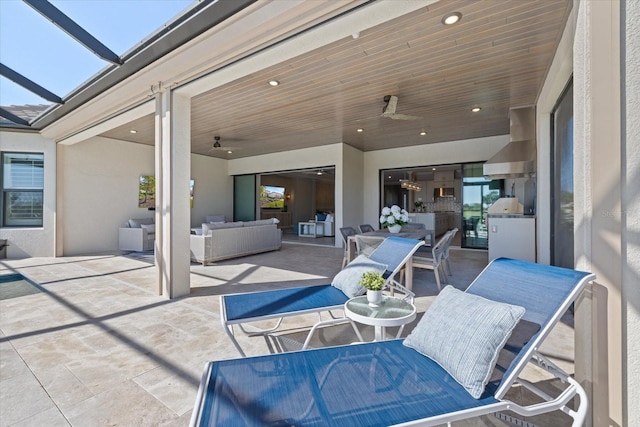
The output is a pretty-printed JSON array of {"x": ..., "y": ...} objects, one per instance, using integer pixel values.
[
  {"x": 391, "y": 312},
  {"x": 310, "y": 229}
]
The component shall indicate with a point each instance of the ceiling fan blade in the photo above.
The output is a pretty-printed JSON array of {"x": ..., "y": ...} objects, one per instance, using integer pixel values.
[
  {"x": 400, "y": 117},
  {"x": 392, "y": 104},
  {"x": 389, "y": 110}
]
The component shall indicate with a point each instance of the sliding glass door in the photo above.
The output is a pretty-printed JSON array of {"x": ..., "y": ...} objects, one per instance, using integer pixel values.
[
  {"x": 244, "y": 197},
  {"x": 562, "y": 181},
  {"x": 478, "y": 193}
]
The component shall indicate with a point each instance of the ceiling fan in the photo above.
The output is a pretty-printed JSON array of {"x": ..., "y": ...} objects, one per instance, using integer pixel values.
[
  {"x": 219, "y": 147},
  {"x": 389, "y": 110}
]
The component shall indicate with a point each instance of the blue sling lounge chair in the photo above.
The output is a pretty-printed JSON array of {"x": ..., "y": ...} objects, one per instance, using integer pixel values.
[
  {"x": 389, "y": 383},
  {"x": 242, "y": 309}
]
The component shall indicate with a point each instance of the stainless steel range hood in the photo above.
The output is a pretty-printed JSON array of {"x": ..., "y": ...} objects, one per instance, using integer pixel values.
[{"x": 518, "y": 158}]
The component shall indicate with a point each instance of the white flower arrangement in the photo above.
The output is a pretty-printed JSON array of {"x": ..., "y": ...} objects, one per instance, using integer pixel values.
[{"x": 393, "y": 216}]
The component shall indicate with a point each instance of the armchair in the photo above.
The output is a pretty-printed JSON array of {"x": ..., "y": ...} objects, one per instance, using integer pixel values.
[
  {"x": 329, "y": 225},
  {"x": 137, "y": 235}
]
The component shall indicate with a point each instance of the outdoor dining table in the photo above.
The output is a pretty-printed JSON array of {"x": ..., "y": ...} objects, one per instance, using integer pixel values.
[{"x": 417, "y": 234}]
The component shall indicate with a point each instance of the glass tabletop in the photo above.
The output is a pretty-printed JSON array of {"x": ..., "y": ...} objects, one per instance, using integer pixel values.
[{"x": 390, "y": 308}]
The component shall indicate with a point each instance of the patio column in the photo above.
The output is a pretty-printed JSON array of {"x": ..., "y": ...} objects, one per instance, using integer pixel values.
[
  {"x": 173, "y": 170},
  {"x": 607, "y": 165}
]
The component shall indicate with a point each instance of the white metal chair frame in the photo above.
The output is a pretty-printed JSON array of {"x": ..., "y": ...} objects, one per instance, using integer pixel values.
[
  {"x": 445, "y": 255},
  {"x": 435, "y": 261}
]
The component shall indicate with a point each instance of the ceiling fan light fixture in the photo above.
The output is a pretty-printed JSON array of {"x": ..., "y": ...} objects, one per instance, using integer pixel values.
[{"x": 451, "y": 18}]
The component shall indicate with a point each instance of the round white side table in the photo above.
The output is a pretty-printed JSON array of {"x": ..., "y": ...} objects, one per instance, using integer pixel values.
[{"x": 391, "y": 312}]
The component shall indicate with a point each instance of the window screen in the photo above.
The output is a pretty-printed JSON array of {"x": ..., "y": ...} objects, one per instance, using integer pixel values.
[{"x": 22, "y": 189}]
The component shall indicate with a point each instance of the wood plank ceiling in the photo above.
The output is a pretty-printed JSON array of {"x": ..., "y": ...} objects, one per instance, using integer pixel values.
[{"x": 495, "y": 58}]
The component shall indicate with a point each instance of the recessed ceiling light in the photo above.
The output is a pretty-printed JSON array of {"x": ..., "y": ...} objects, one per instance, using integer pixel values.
[
  {"x": 433, "y": 169},
  {"x": 423, "y": 133},
  {"x": 476, "y": 109},
  {"x": 389, "y": 177},
  {"x": 229, "y": 152},
  {"x": 133, "y": 131},
  {"x": 359, "y": 130},
  {"x": 319, "y": 173},
  {"x": 451, "y": 18},
  {"x": 274, "y": 82}
]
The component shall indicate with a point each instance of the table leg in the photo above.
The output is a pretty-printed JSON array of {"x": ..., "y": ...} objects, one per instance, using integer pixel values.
[
  {"x": 351, "y": 248},
  {"x": 408, "y": 275},
  {"x": 380, "y": 333}
]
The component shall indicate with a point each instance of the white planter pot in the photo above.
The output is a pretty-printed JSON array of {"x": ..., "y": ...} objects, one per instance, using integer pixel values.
[
  {"x": 374, "y": 298},
  {"x": 395, "y": 228}
]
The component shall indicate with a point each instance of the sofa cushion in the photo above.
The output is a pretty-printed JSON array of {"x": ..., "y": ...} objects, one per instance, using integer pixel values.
[
  {"x": 137, "y": 222},
  {"x": 207, "y": 227},
  {"x": 259, "y": 222},
  {"x": 214, "y": 218}
]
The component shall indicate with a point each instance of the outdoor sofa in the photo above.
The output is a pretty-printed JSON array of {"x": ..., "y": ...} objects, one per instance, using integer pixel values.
[{"x": 220, "y": 241}]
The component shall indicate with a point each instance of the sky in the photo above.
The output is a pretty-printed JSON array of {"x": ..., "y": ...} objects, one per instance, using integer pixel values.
[{"x": 34, "y": 47}]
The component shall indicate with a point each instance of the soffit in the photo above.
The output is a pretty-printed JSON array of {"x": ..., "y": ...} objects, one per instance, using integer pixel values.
[
  {"x": 496, "y": 58},
  {"x": 254, "y": 28}
]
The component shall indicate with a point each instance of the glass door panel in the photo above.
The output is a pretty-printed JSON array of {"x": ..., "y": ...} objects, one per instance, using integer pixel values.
[
  {"x": 562, "y": 182},
  {"x": 244, "y": 197},
  {"x": 478, "y": 194}
]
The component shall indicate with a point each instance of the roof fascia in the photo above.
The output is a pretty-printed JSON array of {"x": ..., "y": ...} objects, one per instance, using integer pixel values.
[{"x": 194, "y": 23}]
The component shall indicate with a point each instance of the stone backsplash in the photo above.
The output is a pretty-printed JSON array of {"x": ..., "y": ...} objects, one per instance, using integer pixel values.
[{"x": 443, "y": 205}]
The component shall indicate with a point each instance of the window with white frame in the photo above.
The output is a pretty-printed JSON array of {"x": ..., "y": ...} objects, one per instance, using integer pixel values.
[{"x": 22, "y": 189}]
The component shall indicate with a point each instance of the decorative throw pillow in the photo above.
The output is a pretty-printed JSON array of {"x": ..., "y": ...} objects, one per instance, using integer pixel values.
[
  {"x": 136, "y": 222},
  {"x": 347, "y": 280},
  {"x": 464, "y": 334},
  {"x": 151, "y": 228},
  {"x": 214, "y": 218}
]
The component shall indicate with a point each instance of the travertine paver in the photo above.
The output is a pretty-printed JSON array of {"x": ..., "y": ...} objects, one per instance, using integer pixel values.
[{"x": 99, "y": 347}]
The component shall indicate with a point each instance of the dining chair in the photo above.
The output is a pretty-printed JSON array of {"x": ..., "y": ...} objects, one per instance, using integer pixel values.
[
  {"x": 445, "y": 255},
  {"x": 346, "y": 232},
  {"x": 365, "y": 245},
  {"x": 365, "y": 228},
  {"x": 433, "y": 262}
]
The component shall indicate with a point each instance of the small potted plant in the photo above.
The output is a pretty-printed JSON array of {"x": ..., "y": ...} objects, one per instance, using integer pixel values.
[{"x": 373, "y": 282}]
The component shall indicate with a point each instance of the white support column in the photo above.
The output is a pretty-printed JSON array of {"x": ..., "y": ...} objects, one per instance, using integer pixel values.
[
  {"x": 173, "y": 171},
  {"x": 600, "y": 153},
  {"x": 631, "y": 212}
]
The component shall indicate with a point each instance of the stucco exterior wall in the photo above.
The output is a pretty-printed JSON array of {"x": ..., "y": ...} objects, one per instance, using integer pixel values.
[
  {"x": 631, "y": 207},
  {"x": 213, "y": 190},
  {"x": 350, "y": 197},
  {"x": 33, "y": 241},
  {"x": 606, "y": 165},
  {"x": 99, "y": 191},
  {"x": 450, "y": 152},
  {"x": 99, "y": 181}
]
